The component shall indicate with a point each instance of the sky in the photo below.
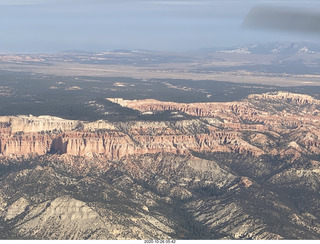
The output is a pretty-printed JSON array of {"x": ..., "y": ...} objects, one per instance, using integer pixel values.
[{"x": 46, "y": 26}]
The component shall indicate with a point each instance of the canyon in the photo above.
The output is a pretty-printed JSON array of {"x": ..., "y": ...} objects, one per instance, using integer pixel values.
[
  {"x": 254, "y": 126},
  {"x": 247, "y": 169}
]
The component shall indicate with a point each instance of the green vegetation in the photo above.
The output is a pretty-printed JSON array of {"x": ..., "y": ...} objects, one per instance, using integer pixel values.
[{"x": 84, "y": 98}]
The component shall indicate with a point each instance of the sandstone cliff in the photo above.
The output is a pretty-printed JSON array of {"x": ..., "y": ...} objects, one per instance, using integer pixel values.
[
  {"x": 237, "y": 170},
  {"x": 115, "y": 144},
  {"x": 276, "y": 115},
  {"x": 254, "y": 126}
]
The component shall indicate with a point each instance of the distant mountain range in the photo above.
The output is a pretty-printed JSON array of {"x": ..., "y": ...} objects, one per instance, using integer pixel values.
[{"x": 281, "y": 48}]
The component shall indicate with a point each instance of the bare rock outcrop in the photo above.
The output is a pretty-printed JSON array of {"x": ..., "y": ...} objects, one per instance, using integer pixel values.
[
  {"x": 277, "y": 114},
  {"x": 221, "y": 127},
  {"x": 298, "y": 99},
  {"x": 137, "y": 138},
  {"x": 16, "y": 208}
]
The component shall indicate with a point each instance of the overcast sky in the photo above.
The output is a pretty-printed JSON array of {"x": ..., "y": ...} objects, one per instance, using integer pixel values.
[{"x": 167, "y": 25}]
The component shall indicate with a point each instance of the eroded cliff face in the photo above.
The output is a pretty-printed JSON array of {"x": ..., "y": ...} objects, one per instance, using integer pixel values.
[
  {"x": 238, "y": 170},
  {"x": 272, "y": 123},
  {"x": 115, "y": 144}
]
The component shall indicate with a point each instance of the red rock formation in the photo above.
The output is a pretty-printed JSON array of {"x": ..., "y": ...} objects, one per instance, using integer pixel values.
[
  {"x": 23, "y": 135},
  {"x": 116, "y": 144},
  {"x": 298, "y": 99},
  {"x": 25, "y": 144},
  {"x": 282, "y": 113}
]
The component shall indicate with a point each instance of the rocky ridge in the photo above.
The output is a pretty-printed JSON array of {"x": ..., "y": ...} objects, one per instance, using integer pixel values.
[
  {"x": 236, "y": 170},
  {"x": 218, "y": 127},
  {"x": 268, "y": 118}
]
